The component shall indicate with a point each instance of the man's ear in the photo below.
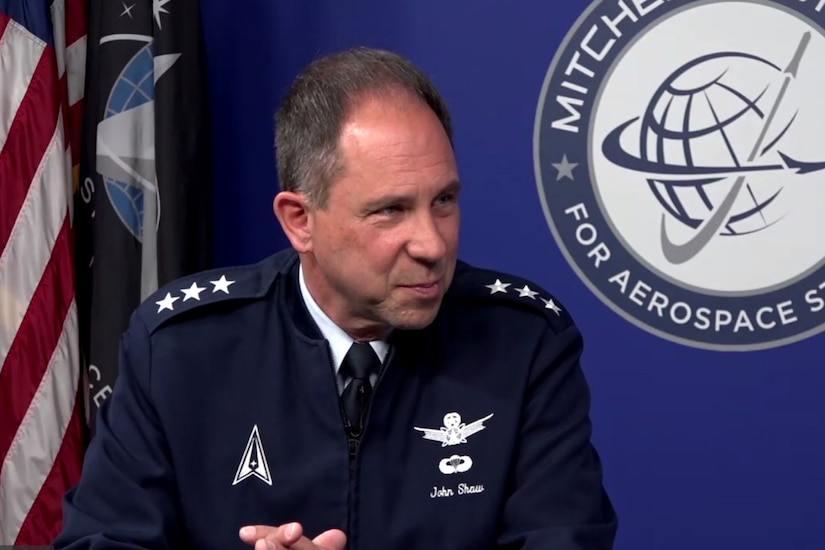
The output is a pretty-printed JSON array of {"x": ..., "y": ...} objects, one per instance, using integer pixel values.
[{"x": 293, "y": 212}]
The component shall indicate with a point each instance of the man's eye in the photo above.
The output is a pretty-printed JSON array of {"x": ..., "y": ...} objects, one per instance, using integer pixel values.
[
  {"x": 388, "y": 210},
  {"x": 446, "y": 199}
]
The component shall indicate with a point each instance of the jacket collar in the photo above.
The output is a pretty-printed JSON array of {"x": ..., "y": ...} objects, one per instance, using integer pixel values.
[{"x": 290, "y": 296}]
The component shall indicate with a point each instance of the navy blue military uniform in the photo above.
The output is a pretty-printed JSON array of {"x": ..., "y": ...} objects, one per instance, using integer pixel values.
[{"x": 226, "y": 413}]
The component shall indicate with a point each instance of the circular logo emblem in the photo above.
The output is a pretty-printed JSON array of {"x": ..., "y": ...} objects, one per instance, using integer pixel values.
[{"x": 680, "y": 161}]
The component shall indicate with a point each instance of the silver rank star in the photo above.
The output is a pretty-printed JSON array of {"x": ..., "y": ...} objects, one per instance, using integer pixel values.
[
  {"x": 167, "y": 302},
  {"x": 550, "y": 304},
  {"x": 193, "y": 292},
  {"x": 525, "y": 291},
  {"x": 498, "y": 286},
  {"x": 221, "y": 284}
]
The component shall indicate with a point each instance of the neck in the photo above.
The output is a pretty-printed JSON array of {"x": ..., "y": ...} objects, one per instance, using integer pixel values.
[{"x": 358, "y": 327}]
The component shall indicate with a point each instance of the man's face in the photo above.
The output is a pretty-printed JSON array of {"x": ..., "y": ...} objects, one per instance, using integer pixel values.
[{"x": 385, "y": 244}]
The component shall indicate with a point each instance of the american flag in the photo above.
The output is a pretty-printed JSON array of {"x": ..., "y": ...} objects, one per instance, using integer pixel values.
[{"x": 42, "y": 60}]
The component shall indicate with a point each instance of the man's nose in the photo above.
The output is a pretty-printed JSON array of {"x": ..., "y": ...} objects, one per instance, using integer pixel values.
[{"x": 426, "y": 242}]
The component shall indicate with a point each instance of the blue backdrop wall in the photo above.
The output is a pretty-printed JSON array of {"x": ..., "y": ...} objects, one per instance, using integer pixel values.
[{"x": 703, "y": 448}]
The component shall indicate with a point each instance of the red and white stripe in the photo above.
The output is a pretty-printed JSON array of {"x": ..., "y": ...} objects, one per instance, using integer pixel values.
[{"x": 41, "y": 445}]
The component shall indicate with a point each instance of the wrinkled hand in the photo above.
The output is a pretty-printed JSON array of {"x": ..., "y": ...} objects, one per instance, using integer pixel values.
[{"x": 290, "y": 536}]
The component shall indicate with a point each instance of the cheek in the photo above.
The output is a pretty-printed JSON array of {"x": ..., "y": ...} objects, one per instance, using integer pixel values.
[
  {"x": 449, "y": 229},
  {"x": 334, "y": 237},
  {"x": 381, "y": 249},
  {"x": 360, "y": 250}
]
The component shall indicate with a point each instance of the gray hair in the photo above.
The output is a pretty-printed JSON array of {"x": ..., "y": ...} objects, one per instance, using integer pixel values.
[{"x": 308, "y": 123}]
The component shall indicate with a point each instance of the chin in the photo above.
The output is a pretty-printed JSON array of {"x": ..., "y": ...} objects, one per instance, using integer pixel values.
[{"x": 414, "y": 320}]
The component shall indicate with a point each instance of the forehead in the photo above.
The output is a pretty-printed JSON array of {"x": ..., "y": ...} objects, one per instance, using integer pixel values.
[{"x": 399, "y": 138}]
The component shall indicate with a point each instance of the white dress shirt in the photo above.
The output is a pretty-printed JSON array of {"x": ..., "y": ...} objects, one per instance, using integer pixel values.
[{"x": 339, "y": 341}]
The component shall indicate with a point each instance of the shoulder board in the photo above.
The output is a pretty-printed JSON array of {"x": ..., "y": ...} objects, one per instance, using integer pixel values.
[
  {"x": 507, "y": 290},
  {"x": 214, "y": 286}
]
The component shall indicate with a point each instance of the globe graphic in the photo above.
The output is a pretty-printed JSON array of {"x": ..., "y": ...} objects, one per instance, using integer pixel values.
[
  {"x": 709, "y": 113},
  {"x": 133, "y": 87}
]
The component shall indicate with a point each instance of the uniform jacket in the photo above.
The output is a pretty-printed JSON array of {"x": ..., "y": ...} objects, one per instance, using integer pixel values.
[{"x": 226, "y": 413}]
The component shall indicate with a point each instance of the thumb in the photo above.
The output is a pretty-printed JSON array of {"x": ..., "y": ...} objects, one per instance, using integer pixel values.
[{"x": 334, "y": 539}]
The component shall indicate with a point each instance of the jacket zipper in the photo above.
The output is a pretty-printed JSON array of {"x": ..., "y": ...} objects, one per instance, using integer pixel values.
[
  {"x": 353, "y": 444},
  {"x": 353, "y": 452}
]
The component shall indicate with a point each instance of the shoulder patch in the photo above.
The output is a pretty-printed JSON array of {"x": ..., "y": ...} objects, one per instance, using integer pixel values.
[
  {"x": 207, "y": 288},
  {"x": 504, "y": 289}
]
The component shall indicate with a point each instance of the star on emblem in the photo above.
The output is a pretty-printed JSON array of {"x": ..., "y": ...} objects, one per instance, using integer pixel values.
[
  {"x": 167, "y": 302},
  {"x": 157, "y": 9},
  {"x": 221, "y": 284},
  {"x": 525, "y": 291},
  {"x": 193, "y": 292},
  {"x": 564, "y": 168},
  {"x": 550, "y": 304},
  {"x": 498, "y": 286}
]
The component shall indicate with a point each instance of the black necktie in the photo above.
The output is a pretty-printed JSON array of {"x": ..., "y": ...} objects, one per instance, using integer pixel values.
[{"x": 359, "y": 363}]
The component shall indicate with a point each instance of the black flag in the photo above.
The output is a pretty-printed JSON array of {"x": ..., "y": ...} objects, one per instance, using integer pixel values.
[{"x": 144, "y": 208}]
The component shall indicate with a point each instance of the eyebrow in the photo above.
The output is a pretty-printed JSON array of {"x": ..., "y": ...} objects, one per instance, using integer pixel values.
[{"x": 453, "y": 187}]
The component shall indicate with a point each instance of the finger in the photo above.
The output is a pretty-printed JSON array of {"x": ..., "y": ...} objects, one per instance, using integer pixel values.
[
  {"x": 263, "y": 544},
  {"x": 288, "y": 534},
  {"x": 251, "y": 533},
  {"x": 325, "y": 541},
  {"x": 334, "y": 539},
  {"x": 284, "y": 535}
]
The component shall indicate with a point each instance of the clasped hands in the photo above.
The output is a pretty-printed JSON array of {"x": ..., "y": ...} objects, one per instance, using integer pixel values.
[{"x": 290, "y": 536}]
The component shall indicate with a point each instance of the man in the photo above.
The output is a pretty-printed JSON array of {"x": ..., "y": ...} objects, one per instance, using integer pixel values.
[{"x": 364, "y": 389}]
